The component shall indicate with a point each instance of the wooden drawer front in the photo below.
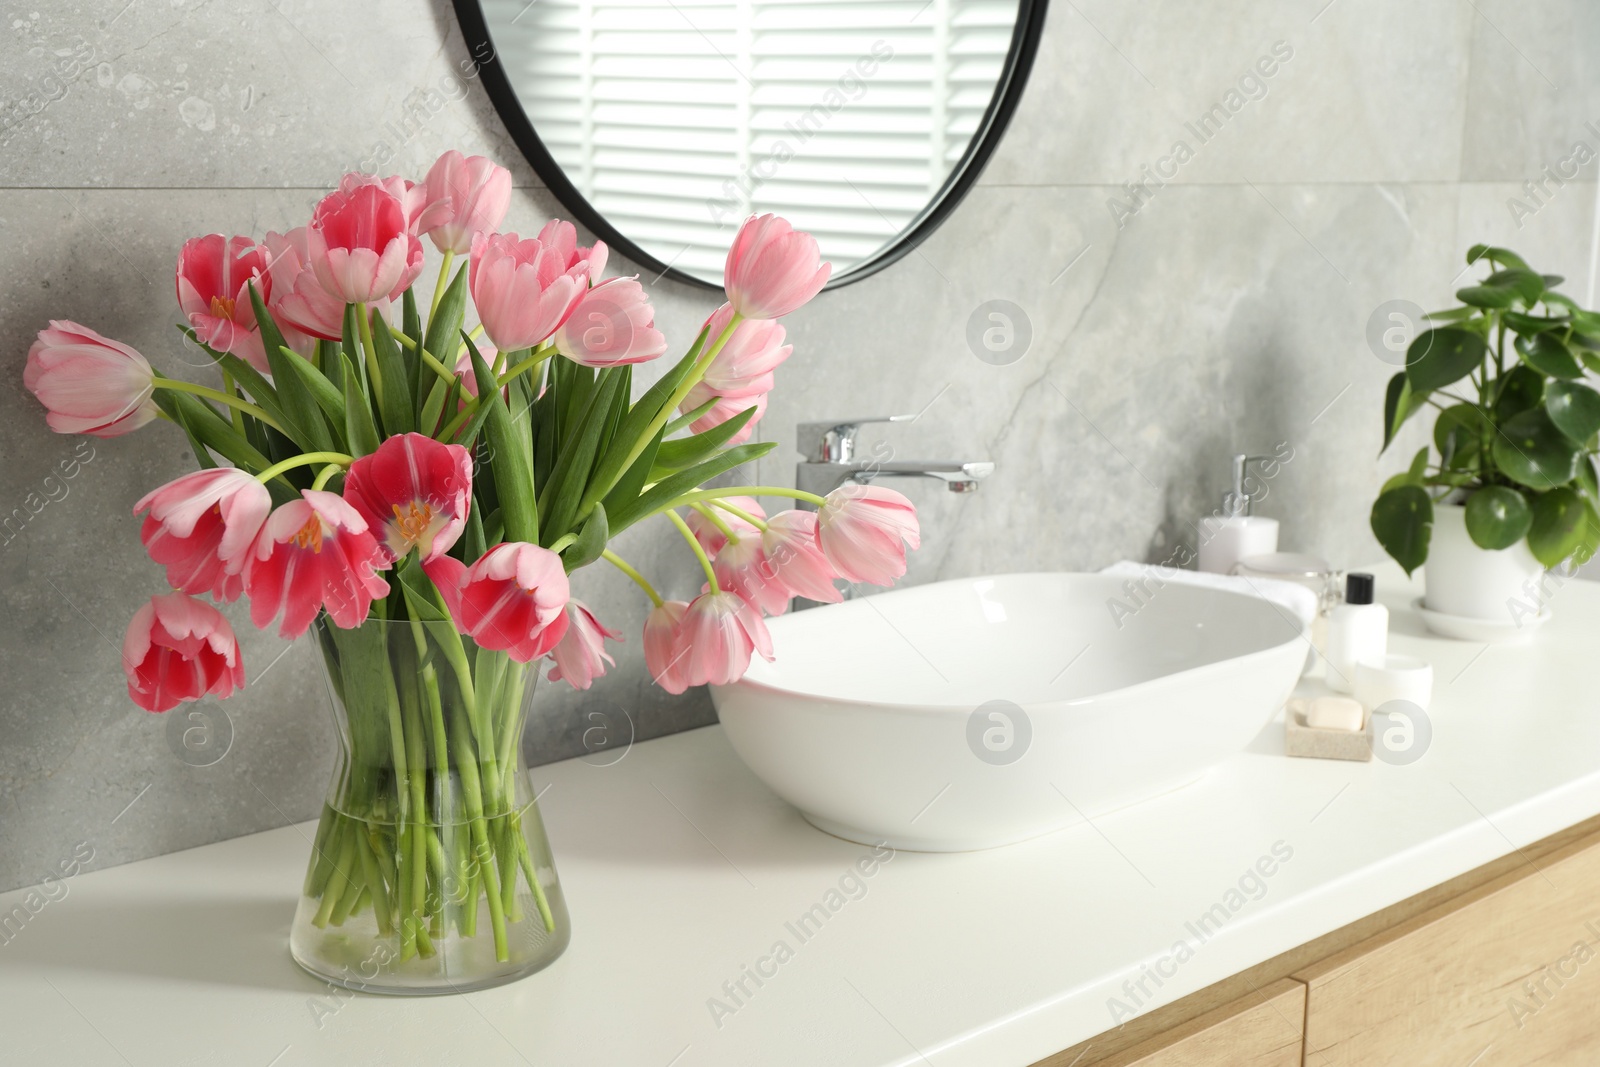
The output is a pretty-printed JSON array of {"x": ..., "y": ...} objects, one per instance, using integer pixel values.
[
  {"x": 1507, "y": 974},
  {"x": 1261, "y": 1030}
]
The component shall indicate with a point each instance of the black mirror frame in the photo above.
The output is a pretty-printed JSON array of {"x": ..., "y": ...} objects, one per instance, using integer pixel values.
[{"x": 1007, "y": 94}]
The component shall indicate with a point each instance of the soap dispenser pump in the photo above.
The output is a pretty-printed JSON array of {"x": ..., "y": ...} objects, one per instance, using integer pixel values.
[{"x": 1233, "y": 534}]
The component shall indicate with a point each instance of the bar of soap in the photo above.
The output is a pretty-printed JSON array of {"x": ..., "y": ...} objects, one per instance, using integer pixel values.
[{"x": 1335, "y": 713}]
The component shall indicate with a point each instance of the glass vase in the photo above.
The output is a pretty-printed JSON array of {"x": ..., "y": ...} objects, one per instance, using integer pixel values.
[{"x": 430, "y": 872}]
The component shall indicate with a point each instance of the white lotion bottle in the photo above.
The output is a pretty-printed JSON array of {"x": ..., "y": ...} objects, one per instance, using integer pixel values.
[{"x": 1358, "y": 632}]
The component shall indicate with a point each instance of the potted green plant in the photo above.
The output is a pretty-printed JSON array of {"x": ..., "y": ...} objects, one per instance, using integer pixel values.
[{"x": 1508, "y": 486}]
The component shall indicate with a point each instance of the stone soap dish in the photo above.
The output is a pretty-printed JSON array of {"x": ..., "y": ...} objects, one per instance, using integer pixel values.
[{"x": 1300, "y": 739}]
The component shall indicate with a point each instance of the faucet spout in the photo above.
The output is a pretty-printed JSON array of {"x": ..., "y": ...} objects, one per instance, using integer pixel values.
[{"x": 958, "y": 477}]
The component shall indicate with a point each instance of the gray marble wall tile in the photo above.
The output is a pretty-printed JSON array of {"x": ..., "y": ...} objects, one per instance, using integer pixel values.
[
  {"x": 1227, "y": 313},
  {"x": 1534, "y": 92}
]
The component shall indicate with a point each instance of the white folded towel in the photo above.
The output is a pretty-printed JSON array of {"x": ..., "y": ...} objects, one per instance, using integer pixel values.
[{"x": 1294, "y": 598}]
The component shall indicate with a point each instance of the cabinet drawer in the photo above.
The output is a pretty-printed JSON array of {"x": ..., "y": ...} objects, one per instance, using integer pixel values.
[
  {"x": 1506, "y": 974},
  {"x": 1261, "y": 1030}
]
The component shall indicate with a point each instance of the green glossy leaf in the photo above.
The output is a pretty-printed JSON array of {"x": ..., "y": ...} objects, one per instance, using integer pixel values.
[
  {"x": 1531, "y": 451},
  {"x": 634, "y": 479},
  {"x": 305, "y": 424},
  {"x": 1502, "y": 256},
  {"x": 1587, "y": 478},
  {"x": 1498, "y": 517},
  {"x": 1487, "y": 296},
  {"x": 411, "y": 326},
  {"x": 1442, "y": 356},
  {"x": 669, "y": 489},
  {"x": 215, "y": 432},
  {"x": 1527, "y": 325},
  {"x": 1546, "y": 354},
  {"x": 513, "y": 477},
  {"x": 1402, "y": 521},
  {"x": 1526, "y": 283},
  {"x": 592, "y": 537},
  {"x": 1552, "y": 280},
  {"x": 359, "y": 429},
  {"x": 433, "y": 407},
  {"x": 1520, "y": 389},
  {"x": 328, "y": 396},
  {"x": 1589, "y": 542},
  {"x": 1559, "y": 519},
  {"x": 631, "y": 431},
  {"x": 559, "y": 502},
  {"x": 1574, "y": 408},
  {"x": 1399, "y": 404},
  {"x": 687, "y": 451},
  {"x": 399, "y": 411},
  {"x": 1458, "y": 434},
  {"x": 445, "y": 323},
  {"x": 1452, "y": 314}
]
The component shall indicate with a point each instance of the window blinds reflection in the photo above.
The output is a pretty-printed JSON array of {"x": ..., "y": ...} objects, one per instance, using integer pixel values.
[{"x": 678, "y": 118}]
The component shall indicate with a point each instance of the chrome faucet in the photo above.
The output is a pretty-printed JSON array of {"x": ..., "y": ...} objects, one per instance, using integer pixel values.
[{"x": 830, "y": 461}]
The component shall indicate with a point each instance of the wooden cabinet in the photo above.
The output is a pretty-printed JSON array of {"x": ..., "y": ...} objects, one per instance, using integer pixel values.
[
  {"x": 1508, "y": 973},
  {"x": 1262, "y": 1030},
  {"x": 1497, "y": 968}
]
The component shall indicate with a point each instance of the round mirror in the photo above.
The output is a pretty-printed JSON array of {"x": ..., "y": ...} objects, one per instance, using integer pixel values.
[{"x": 662, "y": 124}]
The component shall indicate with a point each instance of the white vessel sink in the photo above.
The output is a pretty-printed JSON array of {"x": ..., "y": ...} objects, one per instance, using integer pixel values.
[{"x": 982, "y": 711}]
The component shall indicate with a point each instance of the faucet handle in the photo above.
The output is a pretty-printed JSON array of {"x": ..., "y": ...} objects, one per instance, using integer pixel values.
[{"x": 834, "y": 440}]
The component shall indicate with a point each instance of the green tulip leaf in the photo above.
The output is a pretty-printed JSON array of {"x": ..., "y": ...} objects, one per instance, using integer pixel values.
[
  {"x": 1574, "y": 408},
  {"x": 1441, "y": 356},
  {"x": 1546, "y": 354},
  {"x": 1402, "y": 521},
  {"x": 1560, "y": 520},
  {"x": 1498, "y": 517},
  {"x": 1532, "y": 451}
]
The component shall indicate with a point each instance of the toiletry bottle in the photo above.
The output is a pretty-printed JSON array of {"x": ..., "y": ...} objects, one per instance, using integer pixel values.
[{"x": 1358, "y": 632}]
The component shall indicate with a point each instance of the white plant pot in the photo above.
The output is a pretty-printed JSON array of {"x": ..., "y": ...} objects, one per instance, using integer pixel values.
[{"x": 1471, "y": 582}]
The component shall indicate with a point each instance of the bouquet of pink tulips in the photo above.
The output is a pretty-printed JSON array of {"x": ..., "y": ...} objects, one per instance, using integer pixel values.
[{"x": 366, "y": 457}]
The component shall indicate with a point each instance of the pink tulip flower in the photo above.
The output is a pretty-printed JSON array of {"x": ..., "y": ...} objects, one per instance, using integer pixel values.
[
  {"x": 89, "y": 383},
  {"x": 414, "y": 492},
  {"x": 661, "y": 655},
  {"x": 201, "y": 528},
  {"x": 742, "y": 568},
  {"x": 562, "y": 236},
  {"x": 214, "y": 273},
  {"x": 475, "y": 193},
  {"x": 523, "y": 289},
  {"x": 422, "y": 212},
  {"x": 794, "y": 559},
  {"x": 718, "y": 633},
  {"x": 861, "y": 529},
  {"x": 613, "y": 324},
  {"x": 772, "y": 268},
  {"x": 360, "y": 245},
  {"x": 298, "y": 300},
  {"x": 314, "y": 553},
  {"x": 178, "y": 648},
  {"x": 513, "y": 600},
  {"x": 744, "y": 365},
  {"x": 581, "y": 655},
  {"x": 710, "y": 535},
  {"x": 725, "y": 408}
]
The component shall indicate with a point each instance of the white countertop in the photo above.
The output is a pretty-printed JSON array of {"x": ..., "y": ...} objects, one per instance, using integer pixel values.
[{"x": 681, "y": 869}]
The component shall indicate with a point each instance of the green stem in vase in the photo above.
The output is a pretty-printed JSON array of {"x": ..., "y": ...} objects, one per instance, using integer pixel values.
[
  {"x": 374, "y": 876},
  {"x": 338, "y": 879},
  {"x": 483, "y": 852}
]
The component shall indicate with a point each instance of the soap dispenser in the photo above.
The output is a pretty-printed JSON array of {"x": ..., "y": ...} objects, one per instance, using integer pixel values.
[
  {"x": 1358, "y": 632},
  {"x": 1233, "y": 533}
]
